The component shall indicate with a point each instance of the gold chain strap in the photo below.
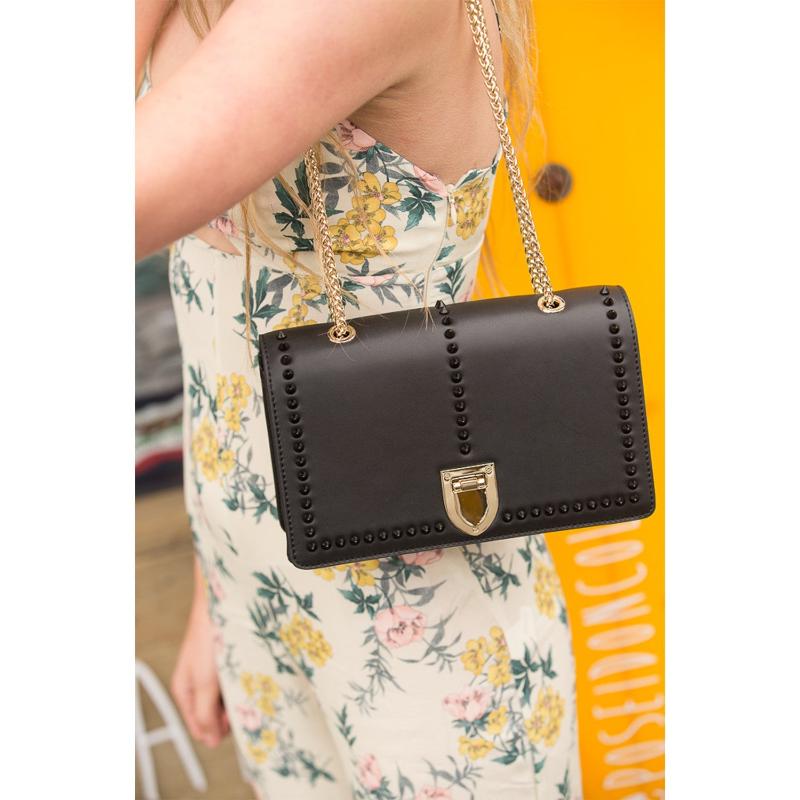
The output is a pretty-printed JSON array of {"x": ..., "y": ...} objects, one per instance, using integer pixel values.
[
  {"x": 549, "y": 302},
  {"x": 540, "y": 280},
  {"x": 341, "y": 331}
]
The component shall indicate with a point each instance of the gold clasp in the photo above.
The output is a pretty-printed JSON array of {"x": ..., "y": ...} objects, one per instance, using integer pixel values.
[{"x": 470, "y": 497}]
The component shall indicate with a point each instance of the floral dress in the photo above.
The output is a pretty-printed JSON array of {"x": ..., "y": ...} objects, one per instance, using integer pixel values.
[{"x": 443, "y": 675}]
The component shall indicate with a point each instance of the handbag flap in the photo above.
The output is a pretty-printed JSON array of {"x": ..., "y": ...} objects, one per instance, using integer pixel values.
[{"x": 365, "y": 436}]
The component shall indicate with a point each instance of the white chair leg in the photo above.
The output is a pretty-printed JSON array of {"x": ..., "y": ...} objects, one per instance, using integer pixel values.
[{"x": 173, "y": 730}]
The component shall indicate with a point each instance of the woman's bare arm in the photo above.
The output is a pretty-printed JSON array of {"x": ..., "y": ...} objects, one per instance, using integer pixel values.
[
  {"x": 267, "y": 82},
  {"x": 149, "y": 15}
]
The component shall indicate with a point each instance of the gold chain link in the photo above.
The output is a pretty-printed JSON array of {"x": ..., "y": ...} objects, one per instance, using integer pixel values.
[
  {"x": 540, "y": 280},
  {"x": 340, "y": 332}
]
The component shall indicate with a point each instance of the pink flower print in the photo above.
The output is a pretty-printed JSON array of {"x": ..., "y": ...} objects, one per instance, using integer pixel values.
[
  {"x": 422, "y": 559},
  {"x": 354, "y": 138},
  {"x": 471, "y": 704},
  {"x": 432, "y": 793},
  {"x": 433, "y": 183},
  {"x": 216, "y": 586},
  {"x": 399, "y": 626},
  {"x": 249, "y": 717},
  {"x": 369, "y": 773},
  {"x": 371, "y": 280},
  {"x": 224, "y": 225}
]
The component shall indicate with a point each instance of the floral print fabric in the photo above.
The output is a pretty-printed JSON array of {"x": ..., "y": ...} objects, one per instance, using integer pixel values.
[{"x": 442, "y": 675}]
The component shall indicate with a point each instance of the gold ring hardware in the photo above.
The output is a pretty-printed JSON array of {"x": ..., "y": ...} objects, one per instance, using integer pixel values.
[
  {"x": 347, "y": 336},
  {"x": 470, "y": 497},
  {"x": 557, "y": 305}
]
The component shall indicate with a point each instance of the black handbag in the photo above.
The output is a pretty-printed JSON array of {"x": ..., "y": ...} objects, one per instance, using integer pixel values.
[{"x": 491, "y": 419}]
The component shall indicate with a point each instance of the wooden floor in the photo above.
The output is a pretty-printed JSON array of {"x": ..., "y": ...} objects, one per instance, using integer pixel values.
[{"x": 163, "y": 595}]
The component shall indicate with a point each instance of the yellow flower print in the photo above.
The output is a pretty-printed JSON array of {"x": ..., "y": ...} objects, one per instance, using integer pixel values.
[
  {"x": 475, "y": 656},
  {"x": 325, "y": 573},
  {"x": 497, "y": 643},
  {"x": 360, "y": 572},
  {"x": 296, "y": 317},
  {"x": 361, "y": 234},
  {"x": 295, "y": 634},
  {"x": 471, "y": 202},
  {"x": 545, "y": 602},
  {"x": 300, "y": 636},
  {"x": 239, "y": 390},
  {"x": 233, "y": 418},
  {"x": 546, "y": 588},
  {"x": 269, "y": 739},
  {"x": 373, "y": 195},
  {"x": 232, "y": 394},
  {"x": 497, "y": 720},
  {"x": 226, "y": 460},
  {"x": 257, "y": 753},
  {"x": 205, "y": 449},
  {"x": 265, "y": 705},
  {"x": 384, "y": 240},
  {"x": 248, "y": 681},
  {"x": 544, "y": 724},
  {"x": 474, "y": 748},
  {"x": 366, "y": 221},
  {"x": 222, "y": 390},
  {"x": 318, "y": 649},
  {"x": 267, "y": 686},
  {"x": 205, "y": 436},
  {"x": 310, "y": 286},
  {"x": 347, "y": 243},
  {"x": 310, "y": 289},
  {"x": 499, "y": 673}
]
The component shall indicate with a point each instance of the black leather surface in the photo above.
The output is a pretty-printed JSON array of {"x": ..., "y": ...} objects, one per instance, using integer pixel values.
[{"x": 554, "y": 400}]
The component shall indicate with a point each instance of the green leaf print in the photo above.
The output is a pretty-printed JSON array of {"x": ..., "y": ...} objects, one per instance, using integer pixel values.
[
  {"x": 379, "y": 158},
  {"x": 262, "y": 306},
  {"x": 301, "y": 183},
  {"x": 454, "y": 279},
  {"x": 523, "y": 670},
  {"x": 182, "y": 285},
  {"x": 344, "y": 727},
  {"x": 445, "y": 251},
  {"x": 363, "y": 603},
  {"x": 471, "y": 175},
  {"x": 436, "y": 652},
  {"x": 492, "y": 575},
  {"x": 563, "y": 787},
  {"x": 419, "y": 203},
  {"x": 378, "y": 675},
  {"x": 198, "y": 393},
  {"x": 331, "y": 187},
  {"x": 465, "y": 776},
  {"x": 266, "y": 302},
  {"x": 292, "y": 218},
  {"x": 403, "y": 784}
]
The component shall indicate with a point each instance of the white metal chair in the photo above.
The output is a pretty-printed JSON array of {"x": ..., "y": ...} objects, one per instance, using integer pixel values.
[{"x": 172, "y": 731}]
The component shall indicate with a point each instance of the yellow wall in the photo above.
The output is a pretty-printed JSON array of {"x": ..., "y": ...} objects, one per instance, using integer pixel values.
[{"x": 601, "y": 85}]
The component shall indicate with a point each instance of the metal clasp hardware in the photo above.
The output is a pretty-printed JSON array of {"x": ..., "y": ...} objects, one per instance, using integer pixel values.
[{"x": 470, "y": 497}]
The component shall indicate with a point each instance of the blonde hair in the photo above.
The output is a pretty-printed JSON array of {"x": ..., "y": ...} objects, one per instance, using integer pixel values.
[{"x": 519, "y": 67}]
